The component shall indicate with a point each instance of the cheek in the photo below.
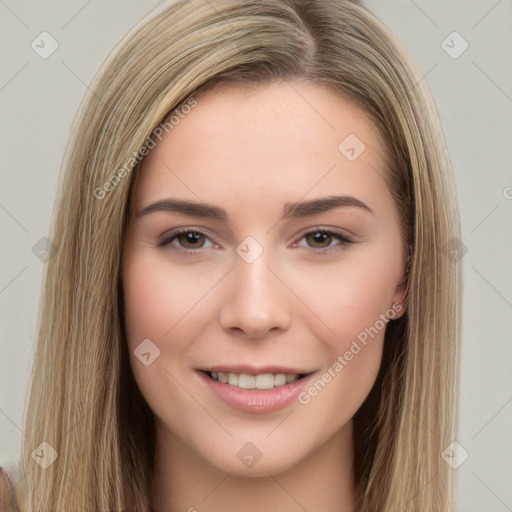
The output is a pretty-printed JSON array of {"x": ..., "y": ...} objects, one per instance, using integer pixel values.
[
  {"x": 353, "y": 309},
  {"x": 353, "y": 300},
  {"x": 348, "y": 299},
  {"x": 154, "y": 304},
  {"x": 146, "y": 300},
  {"x": 159, "y": 305},
  {"x": 159, "y": 299},
  {"x": 169, "y": 306}
]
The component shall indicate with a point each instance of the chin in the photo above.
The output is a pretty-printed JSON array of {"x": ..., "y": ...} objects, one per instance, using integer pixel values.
[{"x": 254, "y": 459}]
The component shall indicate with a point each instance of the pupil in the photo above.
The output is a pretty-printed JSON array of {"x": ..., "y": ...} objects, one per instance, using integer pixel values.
[
  {"x": 320, "y": 237},
  {"x": 192, "y": 237}
]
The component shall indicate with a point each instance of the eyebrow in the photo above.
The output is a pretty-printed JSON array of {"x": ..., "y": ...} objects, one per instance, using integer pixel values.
[{"x": 290, "y": 211}]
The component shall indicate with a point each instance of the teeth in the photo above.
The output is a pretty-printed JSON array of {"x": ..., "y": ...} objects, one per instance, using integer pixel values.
[
  {"x": 261, "y": 381},
  {"x": 244, "y": 381},
  {"x": 280, "y": 379},
  {"x": 264, "y": 381}
]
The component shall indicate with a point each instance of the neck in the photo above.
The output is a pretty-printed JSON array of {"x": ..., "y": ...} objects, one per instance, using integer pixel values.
[{"x": 322, "y": 481}]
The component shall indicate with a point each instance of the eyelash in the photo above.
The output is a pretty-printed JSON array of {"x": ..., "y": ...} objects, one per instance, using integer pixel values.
[{"x": 168, "y": 237}]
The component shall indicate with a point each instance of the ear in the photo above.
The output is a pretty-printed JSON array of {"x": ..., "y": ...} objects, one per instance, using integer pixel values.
[{"x": 399, "y": 301}]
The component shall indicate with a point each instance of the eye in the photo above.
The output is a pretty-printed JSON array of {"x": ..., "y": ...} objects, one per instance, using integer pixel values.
[
  {"x": 325, "y": 239},
  {"x": 186, "y": 239},
  {"x": 190, "y": 240}
]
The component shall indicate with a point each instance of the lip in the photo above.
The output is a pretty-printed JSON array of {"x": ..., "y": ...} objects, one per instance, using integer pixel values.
[
  {"x": 255, "y": 370},
  {"x": 261, "y": 401}
]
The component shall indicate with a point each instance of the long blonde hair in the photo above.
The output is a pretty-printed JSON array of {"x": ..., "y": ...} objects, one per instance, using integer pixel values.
[{"x": 83, "y": 400}]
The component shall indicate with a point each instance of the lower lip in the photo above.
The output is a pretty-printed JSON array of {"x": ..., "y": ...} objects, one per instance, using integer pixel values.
[{"x": 258, "y": 401}]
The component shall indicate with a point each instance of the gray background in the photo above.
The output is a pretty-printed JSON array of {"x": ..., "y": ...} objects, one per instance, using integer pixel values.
[{"x": 39, "y": 98}]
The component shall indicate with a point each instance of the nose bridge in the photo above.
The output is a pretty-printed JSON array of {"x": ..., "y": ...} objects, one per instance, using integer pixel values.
[
  {"x": 255, "y": 302},
  {"x": 253, "y": 276},
  {"x": 252, "y": 268}
]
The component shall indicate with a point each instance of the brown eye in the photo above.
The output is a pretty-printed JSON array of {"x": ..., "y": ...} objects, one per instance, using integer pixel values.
[
  {"x": 325, "y": 240},
  {"x": 187, "y": 240},
  {"x": 319, "y": 239},
  {"x": 191, "y": 240}
]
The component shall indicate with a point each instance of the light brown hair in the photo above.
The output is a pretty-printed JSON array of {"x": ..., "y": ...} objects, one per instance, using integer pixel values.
[{"x": 83, "y": 399}]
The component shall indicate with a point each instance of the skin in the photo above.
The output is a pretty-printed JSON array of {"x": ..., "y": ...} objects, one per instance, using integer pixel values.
[{"x": 292, "y": 305}]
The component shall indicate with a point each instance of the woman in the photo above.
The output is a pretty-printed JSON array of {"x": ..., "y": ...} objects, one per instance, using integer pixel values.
[{"x": 249, "y": 304}]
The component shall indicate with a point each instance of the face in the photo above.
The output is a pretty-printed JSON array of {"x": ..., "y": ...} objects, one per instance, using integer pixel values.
[{"x": 265, "y": 250}]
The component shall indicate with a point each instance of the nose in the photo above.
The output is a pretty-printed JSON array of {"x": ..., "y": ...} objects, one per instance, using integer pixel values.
[{"x": 257, "y": 301}]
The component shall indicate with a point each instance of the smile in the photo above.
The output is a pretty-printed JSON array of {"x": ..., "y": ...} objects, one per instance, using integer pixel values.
[
  {"x": 257, "y": 391},
  {"x": 259, "y": 381}
]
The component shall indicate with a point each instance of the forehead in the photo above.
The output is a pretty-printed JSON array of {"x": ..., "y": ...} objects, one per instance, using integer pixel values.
[{"x": 282, "y": 139}]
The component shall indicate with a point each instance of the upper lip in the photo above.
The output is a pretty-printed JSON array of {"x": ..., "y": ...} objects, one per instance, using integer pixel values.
[{"x": 255, "y": 370}]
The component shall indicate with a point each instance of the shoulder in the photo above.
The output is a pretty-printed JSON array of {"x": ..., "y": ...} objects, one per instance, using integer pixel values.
[{"x": 7, "y": 494}]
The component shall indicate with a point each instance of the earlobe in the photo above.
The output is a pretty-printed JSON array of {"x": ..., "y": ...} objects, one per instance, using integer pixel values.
[
  {"x": 399, "y": 303},
  {"x": 399, "y": 308}
]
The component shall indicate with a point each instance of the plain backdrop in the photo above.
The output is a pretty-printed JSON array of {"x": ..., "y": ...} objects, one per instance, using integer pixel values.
[{"x": 472, "y": 88}]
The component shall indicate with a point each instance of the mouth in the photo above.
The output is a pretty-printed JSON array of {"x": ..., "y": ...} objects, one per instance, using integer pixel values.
[
  {"x": 256, "y": 390},
  {"x": 257, "y": 382}
]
